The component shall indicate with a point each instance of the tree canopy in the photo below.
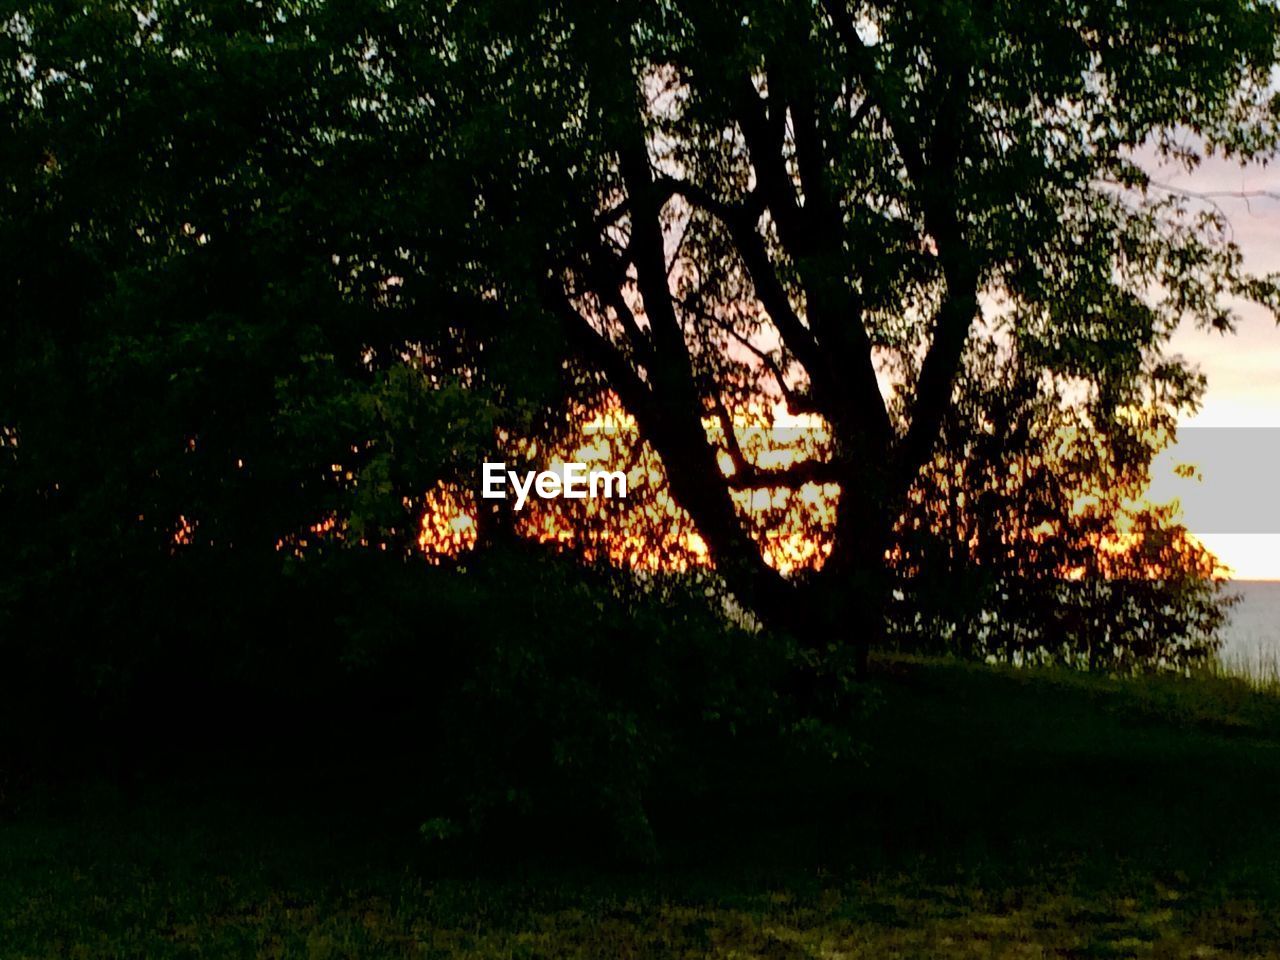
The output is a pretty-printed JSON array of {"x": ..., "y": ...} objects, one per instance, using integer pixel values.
[{"x": 271, "y": 264}]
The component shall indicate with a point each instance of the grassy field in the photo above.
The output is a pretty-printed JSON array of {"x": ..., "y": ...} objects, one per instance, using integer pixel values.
[{"x": 997, "y": 814}]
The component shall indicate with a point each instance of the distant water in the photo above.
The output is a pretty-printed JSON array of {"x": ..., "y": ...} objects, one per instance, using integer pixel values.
[{"x": 1253, "y": 632}]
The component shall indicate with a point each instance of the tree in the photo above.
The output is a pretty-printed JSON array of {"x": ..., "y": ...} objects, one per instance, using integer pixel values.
[
  {"x": 1028, "y": 538},
  {"x": 701, "y": 209},
  {"x": 735, "y": 203}
]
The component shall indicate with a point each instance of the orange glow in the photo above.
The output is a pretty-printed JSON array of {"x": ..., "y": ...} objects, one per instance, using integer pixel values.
[
  {"x": 185, "y": 532},
  {"x": 448, "y": 525},
  {"x": 649, "y": 531}
]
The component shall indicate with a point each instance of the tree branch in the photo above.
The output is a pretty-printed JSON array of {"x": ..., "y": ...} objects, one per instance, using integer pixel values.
[
  {"x": 960, "y": 305},
  {"x": 792, "y": 477},
  {"x": 751, "y": 247},
  {"x": 795, "y": 402}
]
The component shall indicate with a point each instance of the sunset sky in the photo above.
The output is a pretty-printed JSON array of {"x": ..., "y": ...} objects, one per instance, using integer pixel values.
[{"x": 1243, "y": 373}]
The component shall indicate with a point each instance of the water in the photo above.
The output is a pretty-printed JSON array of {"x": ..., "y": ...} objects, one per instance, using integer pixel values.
[{"x": 1253, "y": 633}]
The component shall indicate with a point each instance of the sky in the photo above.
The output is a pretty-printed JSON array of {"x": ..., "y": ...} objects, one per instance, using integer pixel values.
[{"x": 1239, "y": 471}]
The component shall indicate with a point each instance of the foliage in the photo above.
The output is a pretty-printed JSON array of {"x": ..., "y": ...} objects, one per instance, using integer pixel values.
[
  {"x": 735, "y": 205},
  {"x": 276, "y": 275},
  {"x": 580, "y": 687},
  {"x": 1028, "y": 538},
  {"x": 529, "y": 688}
]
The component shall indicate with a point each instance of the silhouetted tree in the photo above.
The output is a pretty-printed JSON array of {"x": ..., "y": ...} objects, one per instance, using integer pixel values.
[
  {"x": 1027, "y": 537},
  {"x": 731, "y": 203},
  {"x": 226, "y": 227}
]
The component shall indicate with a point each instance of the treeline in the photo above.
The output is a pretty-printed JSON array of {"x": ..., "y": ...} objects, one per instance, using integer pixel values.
[{"x": 278, "y": 278}]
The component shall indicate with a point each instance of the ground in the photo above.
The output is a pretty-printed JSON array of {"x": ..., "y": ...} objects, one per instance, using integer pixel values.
[{"x": 995, "y": 814}]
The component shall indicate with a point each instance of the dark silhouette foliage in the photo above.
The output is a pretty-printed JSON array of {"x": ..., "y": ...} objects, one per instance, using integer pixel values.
[{"x": 272, "y": 273}]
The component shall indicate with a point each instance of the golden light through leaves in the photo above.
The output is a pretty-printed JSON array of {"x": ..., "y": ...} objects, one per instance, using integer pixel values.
[
  {"x": 649, "y": 531},
  {"x": 448, "y": 524}
]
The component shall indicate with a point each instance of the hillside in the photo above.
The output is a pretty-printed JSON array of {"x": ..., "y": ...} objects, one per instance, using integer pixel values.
[{"x": 996, "y": 814}]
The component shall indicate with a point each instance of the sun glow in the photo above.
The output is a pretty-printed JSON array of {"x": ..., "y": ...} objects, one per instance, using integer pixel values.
[{"x": 791, "y": 524}]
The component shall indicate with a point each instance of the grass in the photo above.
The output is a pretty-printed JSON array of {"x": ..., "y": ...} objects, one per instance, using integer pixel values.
[
  {"x": 1260, "y": 670},
  {"x": 997, "y": 814}
]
